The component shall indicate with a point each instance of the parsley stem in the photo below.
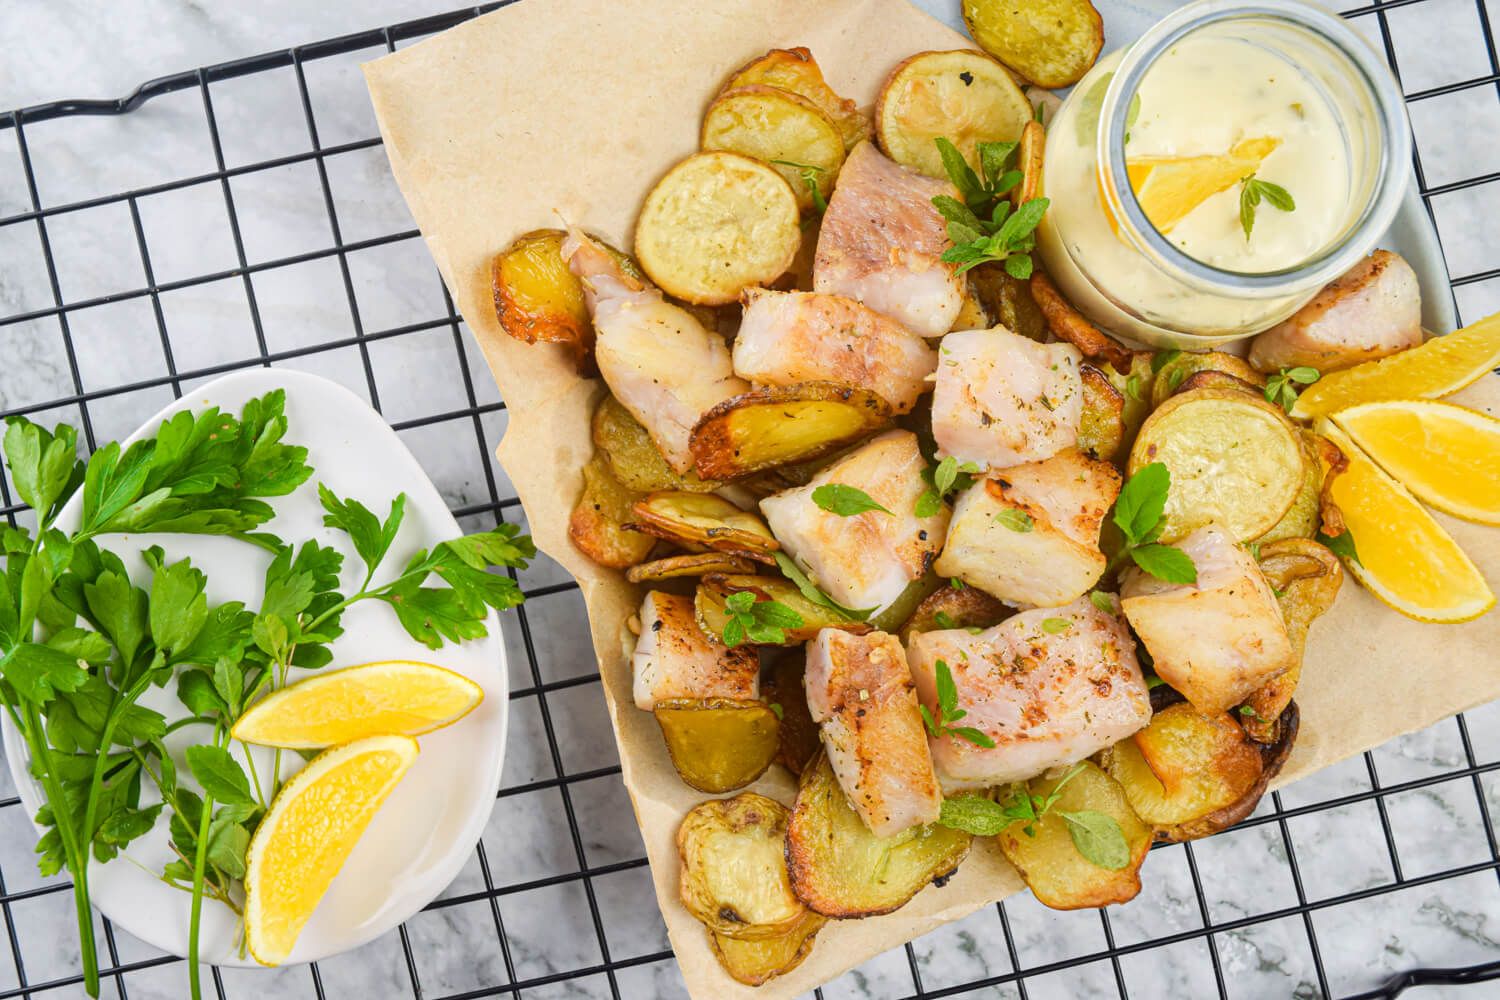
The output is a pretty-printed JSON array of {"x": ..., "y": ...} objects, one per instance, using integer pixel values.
[
  {"x": 260, "y": 796},
  {"x": 200, "y": 859}
]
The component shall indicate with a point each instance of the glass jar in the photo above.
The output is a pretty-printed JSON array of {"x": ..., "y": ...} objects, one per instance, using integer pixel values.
[{"x": 1113, "y": 265}]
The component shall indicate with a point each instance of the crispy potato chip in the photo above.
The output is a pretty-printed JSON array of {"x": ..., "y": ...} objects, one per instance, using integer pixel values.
[
  {"x": 963, "y": 96},
  {"x": 1057, "y": 874},
  {"x": 782, "y": 129},
  {"x": 1101, "y": 427},
  {"x": 796, "y": 70},
  {"x": 1009, "y": 301},
  {"x": 782, "y": 425},
  {"x": 716, "y": 224},
  {"x": 712, "y": 616},
  {"x": 1029, "y": 162},
  {"x": 597, "y": 524},
  {"x": 783, "y": 689},
  {"x": 633, "y": 457},
  {"x": 718, "y": 744},
  {"x": 840, "y": 869},
  {"x": 703, "y": 519},
  {"x": 755, "y": 963},
  {"x": 947, "y": 608},
  {"x": 1052, "y": 43},
  {"x": 734, "y": 875},
  {"x": 696, "y": 564},
  {"x": 1067, "y": 323},
  {"x": 1306, "y": 578},
  {"x": 1174, "y": 374}
]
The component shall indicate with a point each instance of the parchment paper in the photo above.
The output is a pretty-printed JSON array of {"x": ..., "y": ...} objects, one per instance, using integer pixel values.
[{"x": 575, "y": 108}]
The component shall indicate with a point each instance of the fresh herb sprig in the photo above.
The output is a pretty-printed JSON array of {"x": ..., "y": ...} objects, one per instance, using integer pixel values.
[
  {"x": 845, "y": 501},
  {"x": 1096, "y": 835},
  {"x": 1140, "y": 514},
  {"x": 1281, "y": 388},
  {"x": 1341, "y": 545},
  {"x": 811, "y": 178},
  {"x": 948, "y": 712},
  {"x": 763, "y": 622},
  {"x": 982, "y": 226},
  {"x": 1252, "y": 191},
  {"x": 948, "y": 476},
  {"x": 811, "y": 591}
]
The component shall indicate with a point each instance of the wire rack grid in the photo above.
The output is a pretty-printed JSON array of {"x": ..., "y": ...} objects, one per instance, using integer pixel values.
[{"x": 269, "y": 232}]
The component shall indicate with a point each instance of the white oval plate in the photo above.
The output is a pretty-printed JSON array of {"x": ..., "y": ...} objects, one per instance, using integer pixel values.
[{"x": 423, "y": 834}]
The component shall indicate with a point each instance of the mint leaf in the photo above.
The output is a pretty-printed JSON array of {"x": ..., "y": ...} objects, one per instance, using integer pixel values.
[
  {"x": 1102, "y": 601},
  {"x": 974, "y": 814},
  {"x": 845, "y": 501},
  {"x": 1142, "y": 502},
  {"x": 1098, "y": 838},
  {"x": 1341, "y": 545},
  {"x": 809, "y": 590},
  {"x": 1055, "y": 626},
  {"x": 1015, "y": 519},
  {"x": 1165, "y": 562}
]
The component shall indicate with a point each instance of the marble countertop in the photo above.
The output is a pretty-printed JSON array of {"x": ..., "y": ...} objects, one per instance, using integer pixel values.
[{"x": 292, "y": 297}]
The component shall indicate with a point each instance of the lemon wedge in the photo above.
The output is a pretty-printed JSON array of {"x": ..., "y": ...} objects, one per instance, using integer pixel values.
[
  {"x": 1170, "y": 187},
  {"x": 1406, "y": 559},
  {"x": 307, "y": 834},
  {"x": 1447, "y": 455},
  {"x": 1439, "y": 367},
  {"x": 396, "y": 696}
]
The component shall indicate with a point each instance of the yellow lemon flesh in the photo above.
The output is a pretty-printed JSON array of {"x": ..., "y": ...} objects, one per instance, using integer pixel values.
[
  {"x": 1406, "y": 559},
  {"x": 396, "y": 696},
  {"x": 1439, "y": 367},
  {"x": 305, "y": 837},
  {"x": 1170, "y": 187},
  {"x": 1447, "y": 455}
]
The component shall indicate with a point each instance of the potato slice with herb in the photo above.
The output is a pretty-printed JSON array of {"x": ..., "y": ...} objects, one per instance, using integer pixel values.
[
  {"x": 840, "y": 869},
  {"x": 784, "y": 691},
  {"x": 782, "y": 425},
  {"x": 780, "y": 128},
  {"x": 1235, "y": 460},
  {"x": 716, "y": 224},
  {"x": 1050, "y": 859},
  {"x": 718, "y": 744},
  {"x": 946, "y": 608},
  {"x": 894, "y": 615},
  {"x": 703, "y": 519},
  {"x": 1172, "y": 373},
  {"x": 734, "y": 875},
  {"x": 633, "y": 456},
  {"x": 694, "y": 564},
  {"x": 1009, "y": 301},
  {"x": 1306, "y": 578},
  {"x": 1101, "y": 426},
  {"x": 756, "y": 963},
  {"x": 963, "y": 96},
  {"x": 1052, "y": 43},
  {"x": 713, "y": 615},
  {"x": 795, "y": 70},
  {"x": 597, "y": 524}
]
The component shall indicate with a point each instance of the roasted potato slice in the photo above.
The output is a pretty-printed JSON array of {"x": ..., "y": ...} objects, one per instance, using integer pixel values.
[
  {"x": 734, "y": 876},
  {"x": 1134, "y": 386},
  {"x": 1173, "y": 375},
  {"x": 796, "y": 71},
  {"x": 1057, "y": 874},
  {"x": 972, "y": 315},
  {"x": 892, "y": 616},
  {"x": 1029, "y": 162},
  {"x": 1188, "y": 774},
  {"x": 709, "y": 606},
  {"x": 782, "y": 425},
  {"x": 1052, "y": 43},
  {"x": 756, "y": 963},
  {"x": 634, "y": 457},
  {"x": 963, "y": 96},
  {"x": 782, "y": 129},
  {"x": 718, "y": 744},
  {"x": 1067, "y": 323},
  {"x": 597, "y": 524},
  {"x": 1302, "y": 517},
  {"x": 783, "y": 688},
  {"x": 716, "y": 224},
  {"x": 703, "y": 519},
  {"x": 1235, "y": 460},
  {"x": 1008, "y": 300},
  {"x": 949, "y": 608},
  {"x": 1306, "y": 578},
  {"x": 840, "y": 869},
  {"x": 694, "y": 564},
  {"x": 1101, "y": 426}
]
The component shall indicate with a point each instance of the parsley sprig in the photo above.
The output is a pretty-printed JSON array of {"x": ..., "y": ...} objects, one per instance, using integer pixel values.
[
  {"x": 982, "y": 226},
  {"x": 1281, "y": 388},
  {"x": 948, "y": 476},
  {"x": 763, "y": 622},
  {"x": 1096, "y": 835},
  {"x": 1140, "y": 514},
  {"x": 1252, "y": 191},
  {"x": 948, "y": 712}
]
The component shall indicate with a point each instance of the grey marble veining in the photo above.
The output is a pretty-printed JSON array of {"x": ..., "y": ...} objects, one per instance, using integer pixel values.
[{"x": 295, "y": 311}]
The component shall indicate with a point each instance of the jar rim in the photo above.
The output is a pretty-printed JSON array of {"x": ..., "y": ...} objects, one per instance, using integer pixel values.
[{"x": 1396, "y": 148}]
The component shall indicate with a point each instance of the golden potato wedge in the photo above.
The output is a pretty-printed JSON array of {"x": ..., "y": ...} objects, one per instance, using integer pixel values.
[
  {"x": 782, "y": 425},
  {"x": 734, "y": 876},
  {"x": 1029, "y": 162},
  {"x": 962, "y": 96},
  {"x": 1067, "y": 323},
  {"x": 1306, "y": 578},
  {"x": 718, "y": 744},
  {"x": 1052, "y": 43},
  {"x": 948, "y": 608},
  {"x": 703, "y": 519},
  {"x": 597, "y": 524},
  {"x": 783, "y": 689},
  {"x": 756, "y": 963},
  {"x": 634, "y": 457},
  {"x": 795, "y": 70},
  {"x": 716, "y": 224},
  {"x": 1234, "y": 458},
  {"x": 536, "y": 296},
  {"x": 782, "y": 129},
  {"x": 1101, "y": 426},
  {"x": 1057, "y": 874},
  {"x": 693, "y": 564},
  {"x": 712, "y": 617},
  {"x": 1302, "y": 517},
  {"x": 1008, "y": 301},
  {"x": 838, "y": 868},
  {"x": 1174, "y": 373}
]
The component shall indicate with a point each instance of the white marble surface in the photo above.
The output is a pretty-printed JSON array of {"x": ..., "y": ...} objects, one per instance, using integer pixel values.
[{"x": 69, "y": 48}]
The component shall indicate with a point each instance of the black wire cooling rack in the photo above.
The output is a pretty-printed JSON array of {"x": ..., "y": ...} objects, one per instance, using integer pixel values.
[{"x": 556, "y": 900}]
